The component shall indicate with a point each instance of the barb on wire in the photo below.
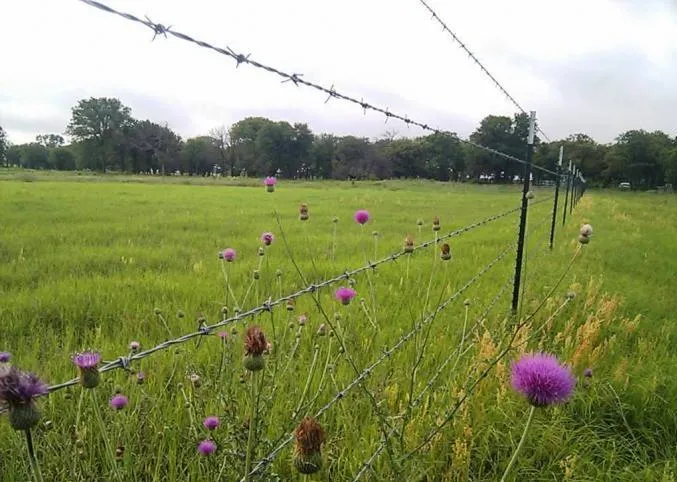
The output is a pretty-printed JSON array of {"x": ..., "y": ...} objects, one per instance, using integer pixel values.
[
  {"x": 204, "y": 330},
  {"x": 297, "y": 80},
  {"x": 474, "y": 58},
  {"x": 265, "y": 461}
]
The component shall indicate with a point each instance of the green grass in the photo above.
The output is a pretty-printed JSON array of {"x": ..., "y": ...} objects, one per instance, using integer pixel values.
[{"x": 85, "y": 261}]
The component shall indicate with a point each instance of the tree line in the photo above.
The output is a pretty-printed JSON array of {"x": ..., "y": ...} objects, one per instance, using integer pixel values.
[{"x": 105, "y": 137}]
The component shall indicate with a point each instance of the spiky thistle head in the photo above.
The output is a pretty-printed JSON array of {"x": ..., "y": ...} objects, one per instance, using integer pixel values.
[
  {"x": 270, "y": 181},
  {"x": 445, "y": 252},
  {"x": 436, "y": 223},
  {"x": 229, "y": 254},
  {"x": 361, "y": 216},
  {"x": 255, "y": 344},
  {"x": 88, "y": 368},
  {"x": 542, "y": 379},
  {"x": 344, "y": 295},
  {"x": 5, "y": 357},
  {"x": 18, "y": 389},
  {"x": 408, "y": 244},
  {"x": 303, "y": 212},
  {"x": 267, "y": 238},
  {"x": 309, "y": 437}
]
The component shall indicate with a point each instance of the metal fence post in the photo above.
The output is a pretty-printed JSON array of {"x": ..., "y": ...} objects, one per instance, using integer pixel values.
[
  {"x": 566, "y": 196},
  {"x": 523, "y": 214},
  {"x": 573, "y": 185},
  {"x": 554, "y": 206}
]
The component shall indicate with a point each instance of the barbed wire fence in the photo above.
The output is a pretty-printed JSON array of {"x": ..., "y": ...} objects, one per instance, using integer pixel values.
[{"x": 575, "y": 185}]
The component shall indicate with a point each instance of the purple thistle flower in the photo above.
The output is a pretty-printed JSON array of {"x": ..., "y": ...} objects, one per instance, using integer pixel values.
[
  {"x": 267, "y": 238},
  {"x": 344, "y": 295},
  {"x": 119, "y": 401},
  {"x": 19, "y": 388},
  {"x": 206, "y": 447},
  {"x": 270, "y": 181},
  {"x": 361, "y": 216},
  {"x": 5, "y": 356},
  {"x": 211, "y": 423},
  {"x": 228, "y": 254},
  {"x": 223, "y": 335},
  {"x": 587, "y": 373},
  {"x": 87, "y": 360},
  {"x": 134, "y": 345},
  {"x": 140, "y": 378},
  {"x": 542, "y": 379}
]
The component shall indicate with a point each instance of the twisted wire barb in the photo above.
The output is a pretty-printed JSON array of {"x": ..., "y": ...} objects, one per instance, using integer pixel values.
[
  {"x": 295, "y": 78},
  {"x": 125, "y": 361},
  {"x": 474, "y": 58},
  {"x": 265, "y": 461}
]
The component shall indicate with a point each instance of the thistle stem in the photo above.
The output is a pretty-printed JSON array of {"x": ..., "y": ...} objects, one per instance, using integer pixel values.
[
  {"x": 35, "y": 466},
  {"x": 252, "y": 427},
  {"x": 519, "y": 445},
  {"x": 102, "y": 427}
]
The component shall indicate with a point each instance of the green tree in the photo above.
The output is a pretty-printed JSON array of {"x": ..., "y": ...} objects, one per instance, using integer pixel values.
[
  {"x": 62, "y": 158},
  {"x": 13, "y": 155},
  {"x": 199, "y": 156},
  {"x": 50, "y": 141},
  {"x": 322, "y": 155},
  {"x": 102, "y": 123},
  {"x": 34, "y": 156},
  {"x": 152, "y": 146},
  {"x": 3, "y": 147}
]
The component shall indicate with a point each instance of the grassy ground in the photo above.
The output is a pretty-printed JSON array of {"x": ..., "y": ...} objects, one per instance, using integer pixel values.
[{"x": 86, "y": 264}]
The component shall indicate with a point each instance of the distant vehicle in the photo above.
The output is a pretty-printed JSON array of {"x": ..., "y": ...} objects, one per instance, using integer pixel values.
[{"x": 624, "y": 185}]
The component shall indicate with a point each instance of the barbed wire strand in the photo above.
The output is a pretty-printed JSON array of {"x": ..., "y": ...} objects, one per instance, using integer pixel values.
[
  {"x": 125, "y": 361},
  {"x": 296, "y": 79},
  {"x": 474, "y": 58},
  {"x": 384, "y": 356}
]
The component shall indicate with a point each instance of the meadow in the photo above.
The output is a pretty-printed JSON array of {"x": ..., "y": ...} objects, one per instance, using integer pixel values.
[{"x": 94, "y": 263}]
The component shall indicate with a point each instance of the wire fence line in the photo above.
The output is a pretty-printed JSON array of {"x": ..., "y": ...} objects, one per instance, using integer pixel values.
[
  {"x": 474, "y": 58},
  {"x": 386, "y": 355},
  {"x": 123, "y": 362},
  {"x": 297, "y": 79}
]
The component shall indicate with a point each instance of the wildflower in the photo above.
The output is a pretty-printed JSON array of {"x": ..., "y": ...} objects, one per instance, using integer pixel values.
[
  {"x": 334, "y": 220},
  {"x": 17, "y": 389},
  {"x": 223, "y": 335},
  {"x": 180, "y": 314},
  {"x": 307, "y": 452},
  {"x": 344, "y": 295},
  {"x": 5, "y": 357},
  {"x": 267, "y": 238},
  {"x": 88, "y": 366},
  {"x": 140, "y": 378},
  {"x": 270, "y": 182},
  {"x": 254, "y": 345},
  {"x": 583, "y": 239},
  {"x": 571, "y": 295},
  {"x": 302, "y": 319},
  {"x": 436, "y": 223},
  {"x": 119, "y": 401},
  {"x": 257, "y": 274},
  {"x": 206, "y": 447},
  {"x": 195, "y": 379},
  {"x": 445, "y": 252},
  {"x": 210, "y": 423},
  {"x": 290, "y": 305},
  {"x": 361, "y": 216},
  {"x": 322, "y": 330},
  {"x": 228, "y": 254},
  {"x": 530, "y": 195},
  {"x": 587, "y": 373},
  {"x": 303, "y": 212},
  {"x": 134, "y": 345},
  {"x": 586, "y": 230},
  {"x": 542, "y": 379},
  {"x": 408, "y": 244},
  {"x": 419, "y": 222}
]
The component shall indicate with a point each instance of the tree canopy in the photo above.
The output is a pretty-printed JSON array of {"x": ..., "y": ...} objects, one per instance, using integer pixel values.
[{"x": 106, "y": 137}]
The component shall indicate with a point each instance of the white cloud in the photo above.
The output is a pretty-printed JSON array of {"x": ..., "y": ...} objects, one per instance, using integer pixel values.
[{"x": 550, "y": 55}]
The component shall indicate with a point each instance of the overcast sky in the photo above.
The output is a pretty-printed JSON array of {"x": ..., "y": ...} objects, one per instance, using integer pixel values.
[{"x": 594, "y": 66}]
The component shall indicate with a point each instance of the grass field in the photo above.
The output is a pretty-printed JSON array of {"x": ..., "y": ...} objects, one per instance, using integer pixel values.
[{"x": 86, "y": 263}]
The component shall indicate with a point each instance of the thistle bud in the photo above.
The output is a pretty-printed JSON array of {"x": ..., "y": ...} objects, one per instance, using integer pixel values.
[
  {"x": 408, "y": 244},
  {"x": 445, "y": 252},
  {"x": 255, "y": 345},
  {"x": 436, "y": 223},
  {"x": 530, "y": 195},
  {"x": 303, "y": 212}
]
